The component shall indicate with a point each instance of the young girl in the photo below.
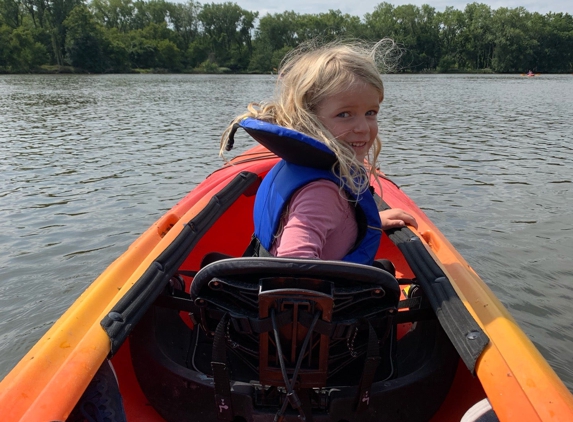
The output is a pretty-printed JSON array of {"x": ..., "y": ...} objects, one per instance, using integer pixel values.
[{"x": 333, "y": 94}]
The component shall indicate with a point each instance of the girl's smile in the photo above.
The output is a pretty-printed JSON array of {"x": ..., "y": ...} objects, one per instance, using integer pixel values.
[{"x": 351, "y": 117}]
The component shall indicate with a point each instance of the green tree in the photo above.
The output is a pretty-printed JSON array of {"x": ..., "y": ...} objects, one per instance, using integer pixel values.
[
  {"x": 36, "y": 9},
  {"x": 115, "y": 51},
  {"x": 452, "y": 25},
  {"x": 478, "y": 37},
  {"x": 328, "y": 26},
  {"x": 197, "y": 52},
  {"x": 227, "y": 29},
  {"x": 10, "y": 13},
  {"x": 275, "y": 36},
  {"x": 513, "y": 50},
  {"x": 84, "y": 40},
  {"x": 150, "y": 12},
  {"x": 5, "y": 56},
  {"x": 20, "y": 52},
  {"x": 55, "y": 13},
  {"x": 114, "y": 13},
  {"x": 169, "y": 56},
  {"x": 279, "y": 30},
  {"x": 381, "y": 23},
  {"x": 554, "y": 33},
  {"x": 183, "y": 20},
  {"x": 261, "y": 58},
  {"x": 416, "y": 29}
]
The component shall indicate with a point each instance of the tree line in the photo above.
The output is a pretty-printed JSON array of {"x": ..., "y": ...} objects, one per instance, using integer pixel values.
[{"x": 158, "y": 35}]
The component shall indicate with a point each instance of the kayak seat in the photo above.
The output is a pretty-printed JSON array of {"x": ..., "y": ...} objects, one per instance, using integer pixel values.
[
  {"x": 293, "y": 338},
  {"x": 297, "y": 323}
]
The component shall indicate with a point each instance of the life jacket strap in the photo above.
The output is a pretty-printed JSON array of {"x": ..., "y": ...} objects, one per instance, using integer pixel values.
[{"x": 255, "y": 248}]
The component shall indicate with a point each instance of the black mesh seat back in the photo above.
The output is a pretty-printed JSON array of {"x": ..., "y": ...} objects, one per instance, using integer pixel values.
[{"x": 361, "y": 297}]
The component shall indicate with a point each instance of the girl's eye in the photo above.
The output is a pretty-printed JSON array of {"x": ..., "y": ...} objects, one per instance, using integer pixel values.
[
  {"x": 343, "y": 114},
  {"x": 372, "y": 113}
]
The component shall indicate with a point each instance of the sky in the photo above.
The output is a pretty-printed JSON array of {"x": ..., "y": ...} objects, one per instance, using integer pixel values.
[{"x": 361, "y": 7}]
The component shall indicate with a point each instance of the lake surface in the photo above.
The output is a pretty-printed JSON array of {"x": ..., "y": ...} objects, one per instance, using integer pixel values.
[{"x": 87, "y": 163}]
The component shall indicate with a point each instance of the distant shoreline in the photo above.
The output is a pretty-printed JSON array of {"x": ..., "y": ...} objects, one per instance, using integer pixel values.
[
  {"x": 70, "y": 70},
  {"x": 150, "y": 36}
]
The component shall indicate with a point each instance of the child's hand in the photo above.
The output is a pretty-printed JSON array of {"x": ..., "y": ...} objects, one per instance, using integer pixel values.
[{"x": 396, "y": 218}]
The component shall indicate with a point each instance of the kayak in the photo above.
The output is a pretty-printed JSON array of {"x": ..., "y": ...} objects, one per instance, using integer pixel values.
[{"x": 186, "y": 325}]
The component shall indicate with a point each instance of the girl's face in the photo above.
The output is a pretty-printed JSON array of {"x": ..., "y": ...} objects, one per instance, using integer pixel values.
[{"x": 350, "y": 116}]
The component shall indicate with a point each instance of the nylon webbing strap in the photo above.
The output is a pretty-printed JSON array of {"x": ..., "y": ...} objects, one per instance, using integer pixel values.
[
  {"x": 221, "y": 378},
  {"x": 370, "y": 366},
  {"x": 256, "y": 249},
  {"x": 411, "y": 302}
]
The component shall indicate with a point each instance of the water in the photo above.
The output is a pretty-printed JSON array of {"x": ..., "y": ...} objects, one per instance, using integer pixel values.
[{"x": 89, "y": 162}]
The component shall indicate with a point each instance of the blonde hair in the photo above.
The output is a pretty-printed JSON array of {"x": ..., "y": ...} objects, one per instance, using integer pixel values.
[{"x": 307, "y": 76}]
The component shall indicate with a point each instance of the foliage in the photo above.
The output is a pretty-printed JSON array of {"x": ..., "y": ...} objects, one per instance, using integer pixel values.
[
  {"x": 20, "y": 52},
  {"x": 84, "y": 41},
  {"x": 227, "y": 32},
  {"x": 158, "y": 35}
]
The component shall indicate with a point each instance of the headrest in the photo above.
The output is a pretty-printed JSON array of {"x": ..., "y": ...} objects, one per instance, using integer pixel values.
[{"x": 288, "y": 144}]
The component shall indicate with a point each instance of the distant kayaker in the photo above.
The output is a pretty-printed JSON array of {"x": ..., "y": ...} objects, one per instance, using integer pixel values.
[{"x": 333, "y": 94}]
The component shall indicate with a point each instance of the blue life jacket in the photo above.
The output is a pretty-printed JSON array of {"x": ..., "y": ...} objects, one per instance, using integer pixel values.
[
  {"x": 304, "y": 160},
  {"x": 284, "y": 180}
]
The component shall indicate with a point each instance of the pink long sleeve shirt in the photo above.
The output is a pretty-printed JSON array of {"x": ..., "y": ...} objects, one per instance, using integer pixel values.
[{"x": 320, "y": 223}]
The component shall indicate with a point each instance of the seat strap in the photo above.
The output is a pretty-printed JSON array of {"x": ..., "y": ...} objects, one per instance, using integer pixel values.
[
  {"x": 411, "y": 302},
  {"x": 370, "y": 366},
  {"x": 221, "y": 378},
  {"x": 256, "y": 249}
]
